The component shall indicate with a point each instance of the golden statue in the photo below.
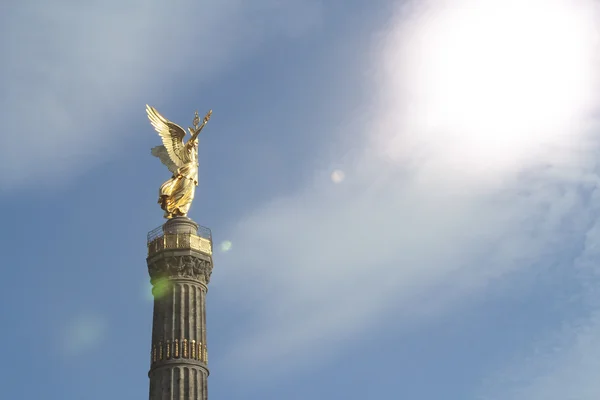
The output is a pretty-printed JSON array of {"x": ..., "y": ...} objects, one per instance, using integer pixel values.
[{"x": 176, "y": 195}]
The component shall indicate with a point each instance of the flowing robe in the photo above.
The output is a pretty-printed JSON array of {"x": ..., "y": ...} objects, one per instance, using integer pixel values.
[{"x": 176, "y": 195}]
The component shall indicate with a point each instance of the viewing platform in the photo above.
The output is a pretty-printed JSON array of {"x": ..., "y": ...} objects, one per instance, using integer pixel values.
[{"x": 180, "y": 233}]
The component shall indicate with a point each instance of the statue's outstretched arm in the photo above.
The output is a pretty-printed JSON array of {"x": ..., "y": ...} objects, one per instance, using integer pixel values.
[{"x": 195, "y": 131}]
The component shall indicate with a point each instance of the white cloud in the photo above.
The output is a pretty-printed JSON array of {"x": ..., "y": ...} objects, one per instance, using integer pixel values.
[
  {"x": 71, "y": 71},
  {"x": 419, "y": 223}
]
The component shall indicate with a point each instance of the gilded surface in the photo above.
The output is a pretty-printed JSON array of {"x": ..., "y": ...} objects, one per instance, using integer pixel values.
[
  {"x": 180, "y": 241},
  {"x": 181, "y": 158},
  {"x": 190, "y": 349}
]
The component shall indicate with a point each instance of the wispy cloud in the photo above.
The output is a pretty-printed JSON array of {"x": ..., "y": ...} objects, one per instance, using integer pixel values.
[
  {"x": 71, "y": 72},
  {"x": 422, "y": 219},
  {"x": 561, "y": 364}
]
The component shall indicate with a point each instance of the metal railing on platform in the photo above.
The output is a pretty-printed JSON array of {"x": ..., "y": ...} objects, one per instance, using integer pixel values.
[{"x": 158, "y": 240}]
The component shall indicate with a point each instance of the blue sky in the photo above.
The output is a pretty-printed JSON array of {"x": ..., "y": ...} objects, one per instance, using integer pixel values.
[{"x": 410, "y": 191}]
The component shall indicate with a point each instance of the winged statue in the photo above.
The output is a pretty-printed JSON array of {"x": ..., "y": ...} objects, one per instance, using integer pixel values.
[{"x": 181, "y": 158}]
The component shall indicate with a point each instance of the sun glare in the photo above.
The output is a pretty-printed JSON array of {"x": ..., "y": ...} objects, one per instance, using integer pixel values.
[{"x": 497, "y": 78}]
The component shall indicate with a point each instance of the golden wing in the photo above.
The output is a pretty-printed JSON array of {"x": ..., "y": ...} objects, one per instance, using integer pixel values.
[
  {"x": 172, "y": 136},
  {"x": 163, "y": 156}
]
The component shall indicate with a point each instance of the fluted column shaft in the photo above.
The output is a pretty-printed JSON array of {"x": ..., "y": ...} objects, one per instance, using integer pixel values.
[
  {"x": 179, "y": 352},
  {"x": 179, "y": 355}
]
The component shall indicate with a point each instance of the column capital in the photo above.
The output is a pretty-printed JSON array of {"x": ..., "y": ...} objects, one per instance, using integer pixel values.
[{"x": 170, "y": 265}]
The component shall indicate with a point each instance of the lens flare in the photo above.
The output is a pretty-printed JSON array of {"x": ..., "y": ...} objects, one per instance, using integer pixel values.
[
  {"x": 337, "y": 176},
  {"x": 225, "y": 246},
  {"x": 147, "y": 291},
  {"x": 162, "y": 286},
  {"x": 84, "y": 333}
]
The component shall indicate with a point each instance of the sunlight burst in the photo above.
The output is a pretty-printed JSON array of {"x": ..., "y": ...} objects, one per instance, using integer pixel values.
[{"x": 496, "y": 80}]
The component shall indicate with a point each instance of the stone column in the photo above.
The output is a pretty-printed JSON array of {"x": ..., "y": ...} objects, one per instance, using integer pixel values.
[{"x": 180, "y": 264}]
